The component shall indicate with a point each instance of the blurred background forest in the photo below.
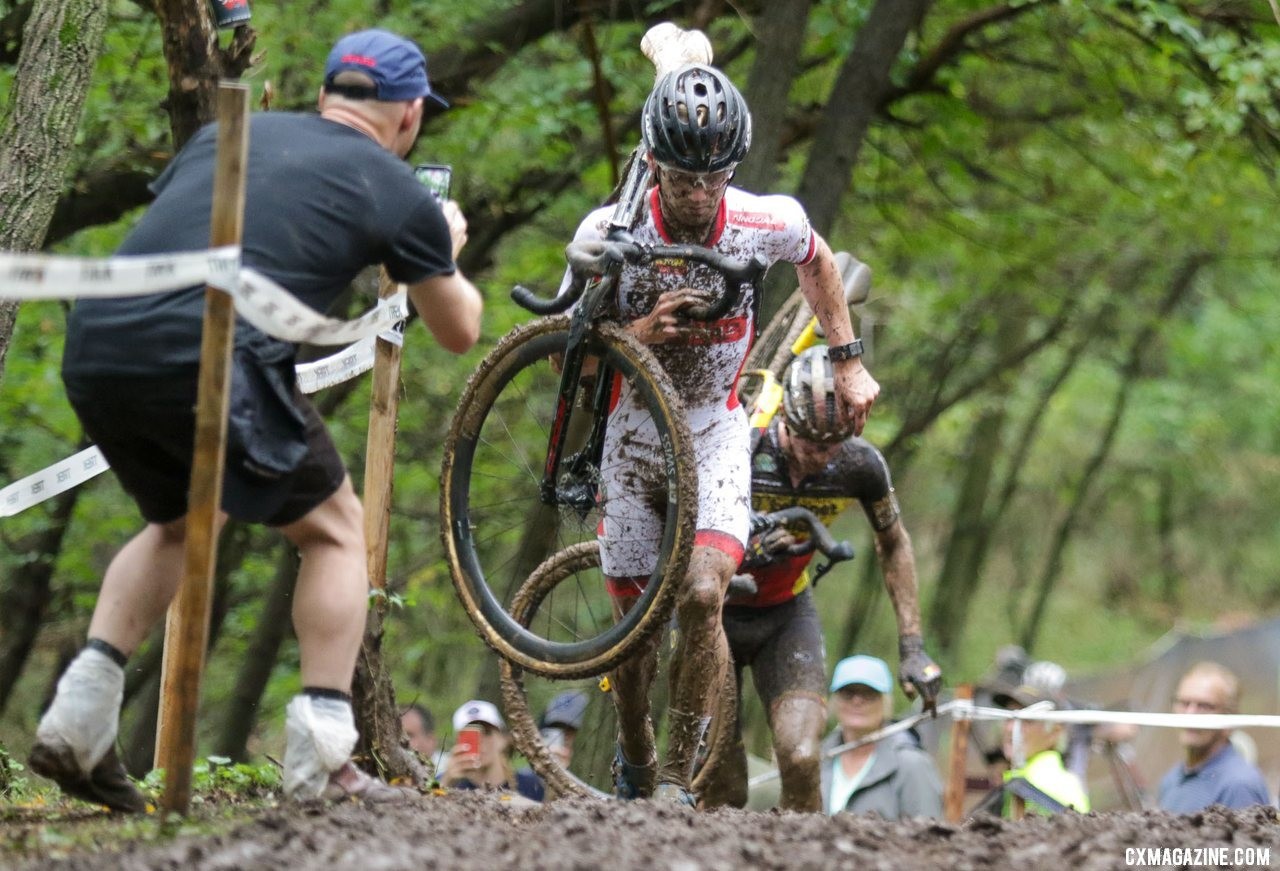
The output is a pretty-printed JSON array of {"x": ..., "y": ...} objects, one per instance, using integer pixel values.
[{"x": 1069, "y": 208}]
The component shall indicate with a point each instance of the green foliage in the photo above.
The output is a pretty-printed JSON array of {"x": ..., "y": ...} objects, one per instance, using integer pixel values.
[
  {"x": 218, "y": 778},
  {"x": 14, "y": 786},
  {"x": 1039, "y": 194}
]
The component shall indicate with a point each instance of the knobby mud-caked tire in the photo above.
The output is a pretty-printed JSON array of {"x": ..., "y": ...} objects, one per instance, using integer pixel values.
[
  {"x": 526, "y": 696},
  {"x": 495, "y": 527}
]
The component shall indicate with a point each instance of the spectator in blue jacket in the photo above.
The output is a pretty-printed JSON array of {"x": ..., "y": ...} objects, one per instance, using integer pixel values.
[{"x": 1212, "y": 771}]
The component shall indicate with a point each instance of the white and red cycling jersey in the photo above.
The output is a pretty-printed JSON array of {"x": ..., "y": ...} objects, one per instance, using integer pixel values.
[{"x": 703, "y": 366}]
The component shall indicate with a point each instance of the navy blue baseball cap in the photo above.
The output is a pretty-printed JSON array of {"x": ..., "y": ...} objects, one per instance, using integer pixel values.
[{"x": 396, "y": 65}]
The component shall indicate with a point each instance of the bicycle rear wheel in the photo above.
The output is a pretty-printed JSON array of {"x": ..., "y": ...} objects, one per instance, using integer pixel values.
[
  {"x": 525, "y": 696},
  {"x": 496, "y": 528}
]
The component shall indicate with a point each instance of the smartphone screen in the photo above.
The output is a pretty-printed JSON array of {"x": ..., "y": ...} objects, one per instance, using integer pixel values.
[
  {"x": 435, "y": 177},
  {"x": 468, "y": 743}
]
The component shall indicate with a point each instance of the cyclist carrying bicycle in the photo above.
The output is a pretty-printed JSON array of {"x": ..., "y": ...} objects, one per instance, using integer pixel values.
[
  {"x": 809, "y": 458},
  {"x": 697, "y": 128}
]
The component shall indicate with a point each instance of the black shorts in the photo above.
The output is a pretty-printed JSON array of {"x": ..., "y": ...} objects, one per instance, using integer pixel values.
[
  {"x": 145, "y": 427},
  {"x": 783, "y": 646}
]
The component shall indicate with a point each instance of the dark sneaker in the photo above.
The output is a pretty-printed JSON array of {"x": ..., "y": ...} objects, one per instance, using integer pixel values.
[
  {"x": 674, "y": 793},
  {"x": 350, "y": 782},
  {"x": 108, "y": 784},
  {"x": 632, "y": 781}
]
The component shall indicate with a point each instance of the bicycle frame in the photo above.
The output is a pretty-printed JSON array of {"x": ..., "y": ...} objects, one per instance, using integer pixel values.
[{"x": 596, "y": 268}]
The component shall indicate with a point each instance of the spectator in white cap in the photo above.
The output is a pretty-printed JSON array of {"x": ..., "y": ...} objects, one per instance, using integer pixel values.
[
  {"x": 892, "y": 777},
  {"x": 481, "y": 755}
]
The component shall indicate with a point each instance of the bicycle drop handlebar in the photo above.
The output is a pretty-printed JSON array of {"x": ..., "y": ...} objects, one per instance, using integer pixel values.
[
  {"x": 600, "y": 257},
  {"x": 820, "y": 538}
]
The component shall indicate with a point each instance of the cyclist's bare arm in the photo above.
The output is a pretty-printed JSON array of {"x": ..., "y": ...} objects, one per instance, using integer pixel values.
[
  {"x": 897, "y": 562},
  {"x": 450, "y": 305},
  {"x": 824, "y": 292}
]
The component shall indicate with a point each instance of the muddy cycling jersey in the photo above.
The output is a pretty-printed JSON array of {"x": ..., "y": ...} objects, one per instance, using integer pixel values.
[
  {"x": 704, "y": 367},
  {"x": 857, "y": 472}
]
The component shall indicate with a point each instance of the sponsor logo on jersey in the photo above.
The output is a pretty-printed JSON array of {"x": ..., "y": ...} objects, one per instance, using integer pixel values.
[
  {"x": 755, "y": 220},
  {"x": 716, "y": 332}
]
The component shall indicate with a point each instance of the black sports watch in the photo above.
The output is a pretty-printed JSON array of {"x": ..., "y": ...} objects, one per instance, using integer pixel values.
[{"x": 846, "y": 351}]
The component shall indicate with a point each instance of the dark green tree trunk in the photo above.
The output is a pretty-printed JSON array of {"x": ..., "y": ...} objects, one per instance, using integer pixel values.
[{"x": 60, "y": 43}]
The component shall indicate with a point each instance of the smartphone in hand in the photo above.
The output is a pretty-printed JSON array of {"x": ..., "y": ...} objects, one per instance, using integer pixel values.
[
  {"x": 436, "y": 178},
  {"x": 468, "y": 743}
]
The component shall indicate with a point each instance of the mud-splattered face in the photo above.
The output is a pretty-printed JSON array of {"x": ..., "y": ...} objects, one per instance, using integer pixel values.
[{"x": 691, "y": 199}]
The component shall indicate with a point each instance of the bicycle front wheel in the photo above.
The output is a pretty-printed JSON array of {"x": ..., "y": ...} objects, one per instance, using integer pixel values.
[
  {"x": 497, "y": 528},
  {"x": 524, "y": 696}
]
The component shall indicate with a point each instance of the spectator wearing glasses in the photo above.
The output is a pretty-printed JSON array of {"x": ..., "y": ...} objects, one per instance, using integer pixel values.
[
  {"x": 1212, "y": 771},
  {"x": 892, "y": 777}
]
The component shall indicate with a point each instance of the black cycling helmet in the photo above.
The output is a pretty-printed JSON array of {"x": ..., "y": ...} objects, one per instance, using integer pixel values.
[
  {"x": 809, "y": 399},
  {"x": 696, "y": 120}
]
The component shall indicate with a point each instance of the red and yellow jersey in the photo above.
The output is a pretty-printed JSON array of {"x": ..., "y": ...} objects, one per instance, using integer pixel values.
[{"x": 857, "y": 473}]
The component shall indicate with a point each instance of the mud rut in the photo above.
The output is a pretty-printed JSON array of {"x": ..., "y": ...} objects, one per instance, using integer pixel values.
[{"x": 477, "y": 831}]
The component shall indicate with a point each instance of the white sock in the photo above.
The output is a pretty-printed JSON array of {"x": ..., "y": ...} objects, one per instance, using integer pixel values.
[
  {"x": 320, "y": 734},
  {"x": 85, "y": 714}
]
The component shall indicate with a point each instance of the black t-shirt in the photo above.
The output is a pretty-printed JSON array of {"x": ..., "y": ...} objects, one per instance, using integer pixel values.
[{"x": 322, "y": 202}]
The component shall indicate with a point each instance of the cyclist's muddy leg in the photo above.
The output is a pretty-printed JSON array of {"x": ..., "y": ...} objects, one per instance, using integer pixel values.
[
  {"x": 797, "y": 719},
  {"x": 790, "y": 676},
  {"x": 632, "y": 680},
  {"x": 699, "y": 661},
  {"x": 726, "y": 784}
]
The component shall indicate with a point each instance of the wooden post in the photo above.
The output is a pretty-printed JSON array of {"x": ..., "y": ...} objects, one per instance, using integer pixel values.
[
  {"x": 953, "y": 797},
  {"x": 380, "y": 450},
  {"x": 187, "y": 627},
  {"x": 373, "y": 694}
]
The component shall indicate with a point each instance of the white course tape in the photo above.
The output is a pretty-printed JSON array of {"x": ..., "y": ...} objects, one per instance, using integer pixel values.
[
  {"x": 75, "y": 470},
  {"x": 34, "y": 489},
  {"x": 275, "y": 311},
  {"x": 1136, "y": 718},
  {"x": 963, "y": 709},
  {"x": 259, "y": 300},
  {"x": 38, "y": 276},
  {"x": 871, "y": 738}
]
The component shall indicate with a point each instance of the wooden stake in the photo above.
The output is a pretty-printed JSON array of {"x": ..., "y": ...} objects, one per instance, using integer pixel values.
[
  {"x": 380, "y": 450},
  {"x": 373, "y": 693},
  {"x": 187, "y": 627},
  {"x": 953, "y": 798}
]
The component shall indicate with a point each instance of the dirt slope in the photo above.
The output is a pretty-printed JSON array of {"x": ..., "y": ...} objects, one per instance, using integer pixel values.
[{"x": 474, "y": 831}]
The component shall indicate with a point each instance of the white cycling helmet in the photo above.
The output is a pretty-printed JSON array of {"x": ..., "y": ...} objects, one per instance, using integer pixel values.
[{"x": 809, "y": 399}]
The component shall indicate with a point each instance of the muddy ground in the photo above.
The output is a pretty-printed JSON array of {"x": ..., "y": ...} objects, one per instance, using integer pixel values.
[{"x": 476, "y": 831}]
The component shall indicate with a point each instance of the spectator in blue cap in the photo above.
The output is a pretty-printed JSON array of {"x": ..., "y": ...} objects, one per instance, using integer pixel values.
[
  {"x": 325, "y": 197},
  {"x": 560, "y": 724},
  {"x": 893, "y": 777}
]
